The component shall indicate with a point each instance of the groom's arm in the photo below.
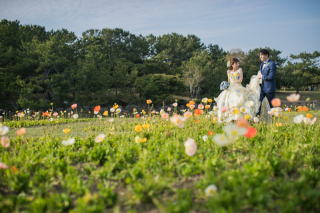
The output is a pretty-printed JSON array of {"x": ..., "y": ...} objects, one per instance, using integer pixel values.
[{"x": 271, "y": 74}]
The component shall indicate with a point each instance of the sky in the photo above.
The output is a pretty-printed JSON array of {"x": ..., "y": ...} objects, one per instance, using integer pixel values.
[{"x": 289, "y": 26}]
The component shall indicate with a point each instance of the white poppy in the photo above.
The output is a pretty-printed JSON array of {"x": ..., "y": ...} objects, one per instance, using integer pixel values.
[
  {"x": 233, "y": 131},
  {"x": 221, "y": 139},
  {"x": 211, "y": 190},
  {"x": 190, "y": 147},
  {"x": 99, "y": 138},
  {"x": 298, "y": 119},
  {"x": 4, "y": 130},
  {"x": 68, "y": 142},
  {"x": 205, "y": 137}
]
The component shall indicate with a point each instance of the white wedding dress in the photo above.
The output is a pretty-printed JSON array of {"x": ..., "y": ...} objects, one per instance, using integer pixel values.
[{"x": 244, "y": 99}]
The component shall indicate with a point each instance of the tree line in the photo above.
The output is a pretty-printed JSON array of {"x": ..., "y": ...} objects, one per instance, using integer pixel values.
[{"x": 38, "y": 67}]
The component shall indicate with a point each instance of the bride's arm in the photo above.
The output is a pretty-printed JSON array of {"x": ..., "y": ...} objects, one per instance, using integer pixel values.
[
  {"x": 241, "y": 76},
  {"x": 228, "y": 76}
]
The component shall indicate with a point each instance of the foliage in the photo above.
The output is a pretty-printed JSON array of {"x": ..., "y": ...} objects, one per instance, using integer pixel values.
[
  {"x": 104, "y": 66},
  {"x": 277, "y": 170},
  {"x": 302, "y": 70},
  {"x": 157, "y": 86}
]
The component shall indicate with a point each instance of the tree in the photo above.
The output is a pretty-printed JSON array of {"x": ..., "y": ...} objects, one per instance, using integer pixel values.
[
  {"x": 303, "y": 70},
  {"x": 175, "y": 48},
  {"x": 12, "y": 35},
  {"x": 192, "y": 72},
  {"x": 158, "y": 87},
  {"x": 235, "y": 53},
  {"x": 46, "y": 61},
  {"x": 205, "y": 71}
]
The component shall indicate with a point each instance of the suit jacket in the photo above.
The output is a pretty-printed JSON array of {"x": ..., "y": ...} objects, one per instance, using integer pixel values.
[{"x": 268, "y": 77}]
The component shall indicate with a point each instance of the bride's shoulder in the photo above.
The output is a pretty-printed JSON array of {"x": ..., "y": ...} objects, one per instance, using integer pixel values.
[{"x": 228, "y": 72}]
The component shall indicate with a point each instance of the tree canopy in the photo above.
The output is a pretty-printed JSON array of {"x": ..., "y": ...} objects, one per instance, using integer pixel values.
[{"x": 38, "y": 67}]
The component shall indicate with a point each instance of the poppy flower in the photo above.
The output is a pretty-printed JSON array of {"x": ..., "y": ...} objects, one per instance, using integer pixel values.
[
  {"x": 224, "y": 108},
  {"x": 197, "y": 112},
  {"x": 14, "y": 169},
  {"x": 97, "y": 108},
  {"x": 242, "y": 122},
  {"x": 308, "y": 115},
  {"x": 21, "y": 131},
  {"x": 293, "y": 97},
  {"x": 251, "y": 132},
  {"x": 190, "y": 147},
  {"x": 276, "y": 102},
  {"x": 5, "y": 142},
  {"x": 138, "y": 128},
  {"x": 165, "y": 116}
]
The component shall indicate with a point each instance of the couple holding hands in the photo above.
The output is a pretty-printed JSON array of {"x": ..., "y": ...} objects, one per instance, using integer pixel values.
[{"x": 254, "y": 99}]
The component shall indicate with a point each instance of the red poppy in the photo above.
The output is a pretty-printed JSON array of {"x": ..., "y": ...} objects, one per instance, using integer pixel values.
[
  {"x": 251, "y": 132},
  {"x": 137, "y": 116},
  {"x": 210, "y": 133}
]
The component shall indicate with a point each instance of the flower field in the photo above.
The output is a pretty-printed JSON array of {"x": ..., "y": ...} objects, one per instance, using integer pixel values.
[{"x": 161, "y": 162}]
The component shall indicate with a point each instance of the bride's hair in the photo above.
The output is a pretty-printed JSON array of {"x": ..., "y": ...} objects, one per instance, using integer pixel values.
[{"x": 232, "y": 61}]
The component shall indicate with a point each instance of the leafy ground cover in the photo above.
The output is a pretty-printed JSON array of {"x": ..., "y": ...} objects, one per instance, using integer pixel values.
[{"x": 275, "y": 171}]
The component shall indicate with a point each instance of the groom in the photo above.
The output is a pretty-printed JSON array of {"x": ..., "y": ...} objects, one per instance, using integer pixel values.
[{"x": 268, "y": 71}]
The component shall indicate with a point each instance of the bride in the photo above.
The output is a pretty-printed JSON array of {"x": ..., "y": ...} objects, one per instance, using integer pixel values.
[{"x": 238, "y": 101}]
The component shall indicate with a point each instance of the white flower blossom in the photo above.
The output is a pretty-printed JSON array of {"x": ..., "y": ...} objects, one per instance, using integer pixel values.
[
  {"x": 211, "y": 190},
  {"x": 298, "y": 119},
  {"x": 68, "y": 142}
]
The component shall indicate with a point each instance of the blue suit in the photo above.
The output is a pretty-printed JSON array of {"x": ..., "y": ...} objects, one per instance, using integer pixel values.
[{"x": 268, "y": 86}]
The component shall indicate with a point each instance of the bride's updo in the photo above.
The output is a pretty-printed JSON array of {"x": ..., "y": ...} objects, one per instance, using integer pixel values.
[{"x": 232, "y": 61}]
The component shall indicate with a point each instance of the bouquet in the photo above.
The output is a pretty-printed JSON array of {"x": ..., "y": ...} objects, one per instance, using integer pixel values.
[{"x": 224, "y": 85}]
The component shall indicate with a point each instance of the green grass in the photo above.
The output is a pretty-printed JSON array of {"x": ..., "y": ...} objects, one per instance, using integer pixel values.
[{"x": 276, "y": 171}]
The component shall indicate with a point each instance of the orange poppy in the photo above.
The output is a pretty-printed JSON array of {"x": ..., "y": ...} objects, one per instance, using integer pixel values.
[
  {"x": 14, "y": 169},
  {"x": 276, "y": 102},
  {"x": 97, "y": 108}
]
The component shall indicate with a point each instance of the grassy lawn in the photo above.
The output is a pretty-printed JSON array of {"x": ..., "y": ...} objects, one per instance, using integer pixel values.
[{"x": 278, "y": 170}]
